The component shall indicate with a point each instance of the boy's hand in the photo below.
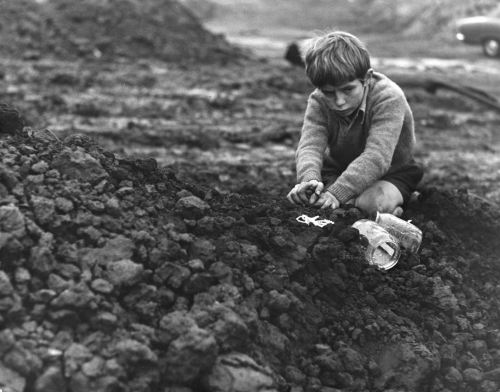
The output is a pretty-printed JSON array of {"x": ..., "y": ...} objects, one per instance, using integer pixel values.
[
  {"x": 327, "y": 200},
  {"x": 307, "y": 192}
]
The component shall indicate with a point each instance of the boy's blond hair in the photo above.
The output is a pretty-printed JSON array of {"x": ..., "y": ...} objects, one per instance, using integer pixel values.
[{"x": 336, "y": 58}]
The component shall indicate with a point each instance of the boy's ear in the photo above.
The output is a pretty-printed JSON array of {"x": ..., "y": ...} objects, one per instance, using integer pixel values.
[{"x": 369, "y": 73}]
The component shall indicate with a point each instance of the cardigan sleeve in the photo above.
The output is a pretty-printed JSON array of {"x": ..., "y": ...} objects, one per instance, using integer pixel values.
[{"x": 313, "y": 142}]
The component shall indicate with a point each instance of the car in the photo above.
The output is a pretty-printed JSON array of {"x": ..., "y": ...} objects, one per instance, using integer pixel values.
[{"x": 480, "y": 30}]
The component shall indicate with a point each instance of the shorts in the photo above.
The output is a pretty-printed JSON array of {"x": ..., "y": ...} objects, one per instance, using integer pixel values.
[{"x": 405, "y": 178}]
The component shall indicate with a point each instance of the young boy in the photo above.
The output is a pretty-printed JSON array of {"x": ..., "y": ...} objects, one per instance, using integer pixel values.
[{"x": 358, "y": 137}]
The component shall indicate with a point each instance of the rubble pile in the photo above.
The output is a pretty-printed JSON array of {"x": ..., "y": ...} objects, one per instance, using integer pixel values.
[
  {"x": 108, "y": 30},
  {"x": 117, "y": 276}
]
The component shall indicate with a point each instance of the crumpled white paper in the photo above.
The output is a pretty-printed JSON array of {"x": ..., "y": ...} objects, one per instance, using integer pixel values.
[{"x": 314, "y": 220}]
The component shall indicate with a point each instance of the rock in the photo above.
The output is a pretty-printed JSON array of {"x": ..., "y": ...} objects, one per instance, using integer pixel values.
[
  {"x": 23, "y": 361},
  {"x": 173, "y": 325},
  {"x": 42, "y": 260},
  {"x": 117, "y": 248},
  {"x": 123, "y": 272},
  {"x": 79, "y": 165},
  {"x": 77, "y": 296},
  {"x": 493, "y": 374},
  {"x": 44, "y": 209},
  {"x": 353, "y": 361},
  {"x": 294, "y": 376},
  {"x": 5, "y": 285},
  {"x": 63, "y": 205},
  {"x": 51, "y": 380},
  {"x": 407, "y": 365},
  {"x": 102, "y": 286},
  {"x": 11, "y": 379},
  {"x": 190, "y": 355},
  {"x": 74, "y": 357},
  {"x": 238, "y": 372},
  {"x": 473, "y": 376},
  {"x": 173, "y": 274},
  {"x": 12, "y": 221},
  {"x": 443, "y": 296},
  {"x": 229, "y": 329},
  {"x": 278, "y": 303},
  {"x": 7, "y": 341},
  {"x": 202, "y": 249},
  {"x": 192, "y": 207},
  {"x": 40, "y": 167},
  {"x": 199, "y": 282},
  {"x": 132, "y": 353},
  {"x": 453, "y": 377}
]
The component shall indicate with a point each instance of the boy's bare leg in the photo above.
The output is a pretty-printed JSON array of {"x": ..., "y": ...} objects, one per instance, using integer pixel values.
[{"x": 382, "y": 196}]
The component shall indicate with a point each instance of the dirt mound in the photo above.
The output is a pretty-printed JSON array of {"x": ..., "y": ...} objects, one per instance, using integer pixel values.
[
  {"x": 110, "y": 29},
  {"x": 117, "y": 276}
]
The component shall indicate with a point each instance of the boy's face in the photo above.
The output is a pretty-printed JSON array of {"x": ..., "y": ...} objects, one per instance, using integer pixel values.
[{"x": 345, "y": 98}]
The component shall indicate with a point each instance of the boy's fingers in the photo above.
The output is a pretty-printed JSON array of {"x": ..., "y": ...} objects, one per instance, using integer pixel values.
[
  {"x": 314, "y": 197},
  {"x": 319, "y": 188}
]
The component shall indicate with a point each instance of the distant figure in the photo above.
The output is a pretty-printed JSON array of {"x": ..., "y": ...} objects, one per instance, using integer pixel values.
[
  {"x": 11, "y": 120},
  {"x": 295, "y": 52},
  {"x": 357, "y": 139}
]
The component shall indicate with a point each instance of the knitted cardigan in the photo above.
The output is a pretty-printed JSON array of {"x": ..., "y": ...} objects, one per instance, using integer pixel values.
[{"x": 380, "y": 138}]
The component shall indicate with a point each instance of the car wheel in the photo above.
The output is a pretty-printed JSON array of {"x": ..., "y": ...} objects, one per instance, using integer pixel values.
[{"x": 491, "y": 47}]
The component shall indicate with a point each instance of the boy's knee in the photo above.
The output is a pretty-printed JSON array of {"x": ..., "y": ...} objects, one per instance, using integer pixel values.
[{"x": 382, "y": 197}]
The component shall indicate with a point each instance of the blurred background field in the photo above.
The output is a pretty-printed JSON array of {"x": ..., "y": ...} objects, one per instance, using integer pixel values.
[{"x": 395, "y": 28}]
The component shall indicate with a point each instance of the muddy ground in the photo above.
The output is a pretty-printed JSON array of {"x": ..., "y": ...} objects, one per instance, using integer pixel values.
[{"x": 146, "y": 243}]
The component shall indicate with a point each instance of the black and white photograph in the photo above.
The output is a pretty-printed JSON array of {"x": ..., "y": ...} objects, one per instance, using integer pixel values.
[{"x": 249, "y": 196}]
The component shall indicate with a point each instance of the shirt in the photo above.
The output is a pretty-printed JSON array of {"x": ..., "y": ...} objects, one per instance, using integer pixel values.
[{"x": 378, "y": 138}]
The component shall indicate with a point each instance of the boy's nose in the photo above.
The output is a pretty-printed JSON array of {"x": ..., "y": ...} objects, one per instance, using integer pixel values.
[{"x": 339, "y": 99}]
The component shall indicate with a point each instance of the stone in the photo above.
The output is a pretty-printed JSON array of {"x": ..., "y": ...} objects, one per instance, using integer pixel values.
[
  {"x": 123, "y": 272},
  {"x": 102, "y": 286},
  {"x": 173, "y": 274},
  {"x": 453, "y": 376},
  {"x": 173, "y": 325},
  {"x": 238, "y": 372},
  {"x": 278, "y": 302},
  {"x": 94, "y": 367},
  {"x": 63, "y": 205},
  {"x": 44, "y": 209},
  {"x": 192, "y": 207},
  {"x": 12, "y": 379},
  {"x": 40, "y": 167},
  {"x": 117, "y": 248},
  {"x": 42, "y": 260},
  {"x": 77, "y": 296},
  {"x": 79, "y": 165},
  {"x": 74, "y": 357},
  {"x": 51, "y": 380},
  {"x": 5, "y": 285},
  {"x": 12, "y": 221},
  {"x": 473, "y": 376},
  {"x": 413, "y": 361},
  {"x": 189, "y": 355},
  {"x": 132, "y": 352},
  {"x": 443, "y": 296}
]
